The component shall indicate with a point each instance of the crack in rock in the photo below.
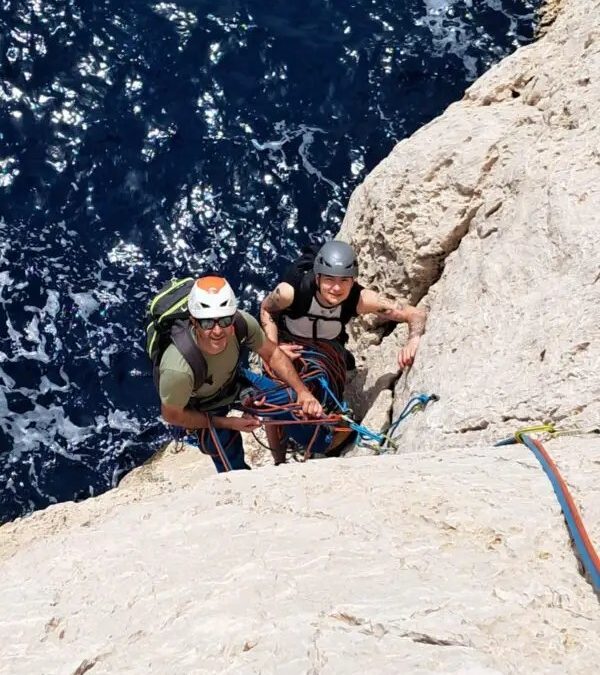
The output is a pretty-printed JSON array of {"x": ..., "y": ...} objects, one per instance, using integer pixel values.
[
  {"x": 424, "y": 638},
  {"x": 85, "y": 666}
]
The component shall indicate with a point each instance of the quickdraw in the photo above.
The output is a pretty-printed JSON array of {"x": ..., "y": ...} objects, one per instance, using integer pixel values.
[
  {"x": 414, "y": 404},
  {"x": 550, "y": 429}
]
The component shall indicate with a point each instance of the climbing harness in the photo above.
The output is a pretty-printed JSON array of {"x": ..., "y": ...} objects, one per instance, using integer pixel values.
[{"x": 583, "y": 544}]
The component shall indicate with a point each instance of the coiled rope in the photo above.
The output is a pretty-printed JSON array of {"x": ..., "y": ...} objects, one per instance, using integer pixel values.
[{"x": 321, "y": 366}]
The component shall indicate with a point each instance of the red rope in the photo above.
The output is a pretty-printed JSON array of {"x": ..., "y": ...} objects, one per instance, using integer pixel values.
[
  {"x": 221, "y": 452},
  {"x": 585, "y": 539},
  {"x": 308, "y": 451}
]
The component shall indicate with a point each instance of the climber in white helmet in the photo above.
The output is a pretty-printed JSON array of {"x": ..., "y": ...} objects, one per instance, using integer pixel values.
[{"x": 199, "y": 376}]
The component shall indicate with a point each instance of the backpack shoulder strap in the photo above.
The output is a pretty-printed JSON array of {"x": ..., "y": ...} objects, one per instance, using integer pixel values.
[
  {"x": 241, "y": 328},
  {"x": 350, "y": 304},
  {"x": 304, "y": 292},
  {"x": 183, "y": 340}
]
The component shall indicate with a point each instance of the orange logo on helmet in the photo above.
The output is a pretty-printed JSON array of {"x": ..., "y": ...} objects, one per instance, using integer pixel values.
[{"x": 211, "y": 284}]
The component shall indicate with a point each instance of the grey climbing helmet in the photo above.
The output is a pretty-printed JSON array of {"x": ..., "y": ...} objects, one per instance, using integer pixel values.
[{"x": 336, "y": 259}]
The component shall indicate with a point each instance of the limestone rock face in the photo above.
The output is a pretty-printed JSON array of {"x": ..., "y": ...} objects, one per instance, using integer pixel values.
[
  {"x": 377, "y": 420},
  {"x": 489, "y": 217},
  {"x": 416, "y": 563}
]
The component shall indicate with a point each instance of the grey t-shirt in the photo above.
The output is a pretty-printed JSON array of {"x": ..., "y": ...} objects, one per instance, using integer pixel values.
[{"x": 177, "y": 378}]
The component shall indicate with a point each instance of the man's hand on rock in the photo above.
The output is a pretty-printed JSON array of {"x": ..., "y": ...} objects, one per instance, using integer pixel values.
[{"x": 406, "y": 356}]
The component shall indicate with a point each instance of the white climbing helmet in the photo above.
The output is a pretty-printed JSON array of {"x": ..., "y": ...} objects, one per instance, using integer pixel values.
[{"x": 211, "y": 298}]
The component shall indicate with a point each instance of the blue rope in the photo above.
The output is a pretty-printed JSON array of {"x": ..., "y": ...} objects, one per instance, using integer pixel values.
[
  {"x": 506, "y": 441},
  {"x": 362, "y": 431},
  {"x": 418, "y": 401},
  {"x": 342, "y": 406},
  {"x": 581, "y": 549}
]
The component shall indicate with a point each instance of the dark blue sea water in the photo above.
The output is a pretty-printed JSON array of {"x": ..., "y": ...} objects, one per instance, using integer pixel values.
[{"x": 141, "y": 140}]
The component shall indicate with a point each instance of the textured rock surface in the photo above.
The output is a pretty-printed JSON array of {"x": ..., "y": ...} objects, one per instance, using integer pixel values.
[
  {"x": 490, "y": 216},
  {"x": 547, "y": 14},
  {"x": 412, "y": 563},
  {"x": 378, "y": 420},
  {"x": 442, "y": 559}
]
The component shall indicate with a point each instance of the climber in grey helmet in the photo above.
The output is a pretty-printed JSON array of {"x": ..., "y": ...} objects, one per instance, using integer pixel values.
[
  {"x": 336, "y": 259},
  {"x": 320, "y": 294}
]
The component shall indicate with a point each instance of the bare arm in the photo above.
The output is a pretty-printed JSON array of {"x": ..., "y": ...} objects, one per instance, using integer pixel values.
[
  {"x": 284, "y": 369},
  {"x": 371, "y": 303},
  {"x": 281, "y": 298}
]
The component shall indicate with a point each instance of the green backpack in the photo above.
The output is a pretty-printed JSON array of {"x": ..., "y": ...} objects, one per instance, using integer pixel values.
[{"x": 167, "y": 322}]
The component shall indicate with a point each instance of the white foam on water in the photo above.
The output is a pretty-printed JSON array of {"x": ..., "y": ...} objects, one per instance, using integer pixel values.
[
  {"x": 9, "y": 170},
  {"x": 121, "y": 421},
  {"x": 107, "y": 352},
  {"x": 6, "y": 282},
  {"x": 42, "y": 429},
  {"x": 276, "y": 149},
  {"x": 32, "y": 332},
  {"x": 86, "y": 304},
  {"x": 7, "y": 380},
  {"x": 19, "y": 352},
  {"x": 454, "y": 31},
  {"x": 308, "y": 136},
  {"x": 46, "y": 385}
]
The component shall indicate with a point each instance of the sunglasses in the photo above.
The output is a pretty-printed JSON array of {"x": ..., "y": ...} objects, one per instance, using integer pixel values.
[{"x": 209, "y": 324}]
